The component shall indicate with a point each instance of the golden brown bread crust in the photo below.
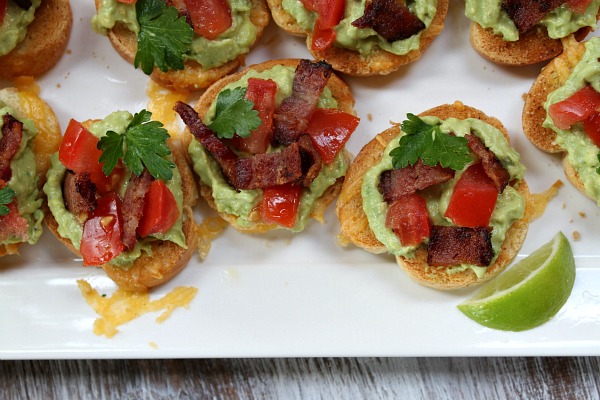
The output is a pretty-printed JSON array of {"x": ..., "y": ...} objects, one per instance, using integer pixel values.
[
  {"x": 355, "y": 226},
  {"x": 167, "y": 258},
  {"x": 45, "y": 43},
  {"x": 340, "y": 91},
  {"x": 380, "y": 62},
  {"x": 193, "y": 76}
]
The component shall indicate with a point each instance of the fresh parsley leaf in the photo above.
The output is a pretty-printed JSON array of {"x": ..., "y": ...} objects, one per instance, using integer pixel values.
[
  {"x": 6, "y": 196},
  {"x": 163, "y": 38},
  {"x": 144, "y": 143},
  {"x": 598, "y": 169},
  {"x": 431, "y": 145},
  {"x": 234, "y": 114}
]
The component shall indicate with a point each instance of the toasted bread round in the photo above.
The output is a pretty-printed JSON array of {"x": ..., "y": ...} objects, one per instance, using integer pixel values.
[
  {"x": 45, "y": 43},
  {"x": 355, "y": 226},
  {"x": 167, "y": 258},
  {"x": 380, "y": 62},
  {"x": 340, "y": 91},
  {"x": 193, "y": 76},
  {"x": 25, "y": 101}
]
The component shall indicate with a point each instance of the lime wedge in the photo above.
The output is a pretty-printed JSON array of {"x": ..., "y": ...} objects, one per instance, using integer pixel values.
[{"x": 528, "y": 294}]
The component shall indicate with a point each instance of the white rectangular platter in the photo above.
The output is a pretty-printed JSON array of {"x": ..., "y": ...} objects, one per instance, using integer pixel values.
[{"x": 280, "y": 295}]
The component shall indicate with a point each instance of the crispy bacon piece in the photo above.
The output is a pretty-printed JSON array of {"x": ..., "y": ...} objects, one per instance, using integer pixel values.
[
  {"x": 311, "y": 160},
  {"x": 491, "y": 165},
  {"x": 291, "y": 117},
  {"x": 399, "y": 182},
  {"x": 454, "y": 245},
  {"x": 24, "y": 4},
  {"x": 528, "y": 13},
  {"x": 133, "y": 206},
  {"x": 12, "y": 133},
  {"x": 12, "y": 224},
  {"x": 79, "y": 193},
  {"x": 391, "y": 19},
  {"x": 270, "y": 169}
]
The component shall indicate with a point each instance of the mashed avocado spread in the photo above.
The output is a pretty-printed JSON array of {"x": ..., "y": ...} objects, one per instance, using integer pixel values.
[
  {"x": 510, "y": 205},
  {"x": 560, "y": 23},
  {"x": 208, "y": 53},
  {"x": 69, "y": 227},
  {"x": 242, "y": 202},
  {"x": 365, "y": 41},
  {"x": 24, "y": 180},
  {"x": 14, "y": 26},
  {"x": 582, "y": 153}
]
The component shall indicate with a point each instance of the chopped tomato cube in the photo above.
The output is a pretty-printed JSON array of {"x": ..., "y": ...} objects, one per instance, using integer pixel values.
[
  {"x": 160, "y": 210},
  {"x": 473, "y": 199},
  {"x": 329, "y": 14},
  {"x": 409, "y": 220},
  {"x": 12, "y": 224},
  {"x": 591, "y": 126},
  {"x": 329, "y": 130},
  {"x": 575, "y": 108},
  {"x": 578, "y": 6},
  {"x": 209, "y": 18},
  {"x": 101, "y": 240},
  {"x": 280, "y": 204}
]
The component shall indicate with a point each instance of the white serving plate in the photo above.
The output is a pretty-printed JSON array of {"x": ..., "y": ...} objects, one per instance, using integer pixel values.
[{"x": 300, "y": 295}]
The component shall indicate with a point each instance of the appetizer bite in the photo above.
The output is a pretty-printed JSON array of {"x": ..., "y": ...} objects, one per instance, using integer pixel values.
[
  {"x": 33, "y": 35},
  {"x": 120, "y": 196},
  {"x": 523, "y": 32},
  {"x": 268, "y": 143},
  {"x": 363, "y": 37},
  {"x": 561, "y": 113},
  {"x": 29, "y": 134},
  {"x": 184, "y": 44},
  {"x": 444, "y": 193}
]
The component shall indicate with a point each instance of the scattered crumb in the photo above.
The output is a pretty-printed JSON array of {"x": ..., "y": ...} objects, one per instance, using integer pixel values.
[
  {"x": 58, "y": 86},
  {"x": 524, "y": 96},
  {"x": 576, "y": 236},
  {"x": 582, "y": 214},
  {"x": 153, "y": 345},
  {"x": 69, "y": 51},
  {"x": 571, "y": 221},
  {"x": 370, "y": 117},
  {"x": 564, "y": 205}
]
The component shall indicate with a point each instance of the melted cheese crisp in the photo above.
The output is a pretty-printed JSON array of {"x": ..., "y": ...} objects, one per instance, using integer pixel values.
[
  {"x": 541, "y": 200},
  {"x": 207, "y": 231},
  {"x": 124, "y": 306},
  {"x": 161, "y": 105}
]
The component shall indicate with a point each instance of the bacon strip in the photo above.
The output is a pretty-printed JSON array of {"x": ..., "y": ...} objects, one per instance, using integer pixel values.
[
  {"x": 399, "y": 182},
  {"x": 528, "y": 13},
  {"x": 454, "y": 245},
  {"x": 311, "y": 160},
  {"x": 391, "y": 19},
  {"x": 24, "y": 4},
  {"x": 133, "y": 206},
  {"x": 12, "y": 133},
  {"x": 491, "y": 165},
  {"x": 79, "y": 193},
  {"x": 291, "y": 117}
]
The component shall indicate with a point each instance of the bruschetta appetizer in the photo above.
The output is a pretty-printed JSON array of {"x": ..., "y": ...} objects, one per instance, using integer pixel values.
[
  {"x": 362, "y": 38},
  {"x": 524, "y": 32},
  {"x": 268, "y": 143},
  {"x": 120, "y": 196},
  {"x": 29, "y": 134},
  {"x": 562, "y": 113},
  {"x": 443, "y": 192},
  {"x": 33, "y": 35},
  {"x": 184, "y": 44}
]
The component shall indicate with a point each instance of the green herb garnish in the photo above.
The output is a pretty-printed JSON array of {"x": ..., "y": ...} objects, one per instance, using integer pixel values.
[
  {"x": 598, "y": 169},
  {"x": 6, "y": 196},
  {"x": 163, "y": 38},
  {"x": 234, "y": 114},
  {"x": 144, "y": 143},
  {"x": 431, "y": 145}
]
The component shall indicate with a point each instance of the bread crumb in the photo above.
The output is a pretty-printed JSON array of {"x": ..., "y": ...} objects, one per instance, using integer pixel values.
[
  {"x": 524, "y": 96},
  {"x": 564, "y": 205},
  {"x": 153, "y": 345},
  {"x": 370, "y": 117},
  {"x": 576, "y": 236},
  {"x": 582, "y": 214}
]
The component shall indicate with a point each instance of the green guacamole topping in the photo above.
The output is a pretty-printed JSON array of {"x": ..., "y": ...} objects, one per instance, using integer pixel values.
[
  {"x": 69, "y": 227},
  {"x": 14, "y": 26},
  {"x": 582, "y": 153},
  {"x": 560, "y": 23},
  {"x": 364, "y": 41},
  {"x": 242, "y": 202},
  {"x": 510, "y": 205},
  {"x": 24, "y": 180},
  {"x": 208, "y": 53}
]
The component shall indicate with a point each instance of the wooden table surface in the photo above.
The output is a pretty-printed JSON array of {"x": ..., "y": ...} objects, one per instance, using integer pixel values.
[{"x": 342, "y": 378}]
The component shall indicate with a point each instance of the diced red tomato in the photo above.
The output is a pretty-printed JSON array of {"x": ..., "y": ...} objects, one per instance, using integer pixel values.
[
  {"x": 473, "y": 199},
  {"x": 575, "y": 108},
  {"x": 3, "y": 7},
  {"x": 409, "y": 220},
  {"x": 591, "y": 126},
  {"x": 262, "y": 93},
  {"x": 160, "y": 210},
  {"x": 578, "y": 6},
  {"x": 280, "y": 204},
  {"x": 12, "y": 224},
  {"x": 329, "y": 130},
  {"x": 101, "y": 240},
  {"x": 210, "y": 18},
  {"x": 329, "y": 14}
]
